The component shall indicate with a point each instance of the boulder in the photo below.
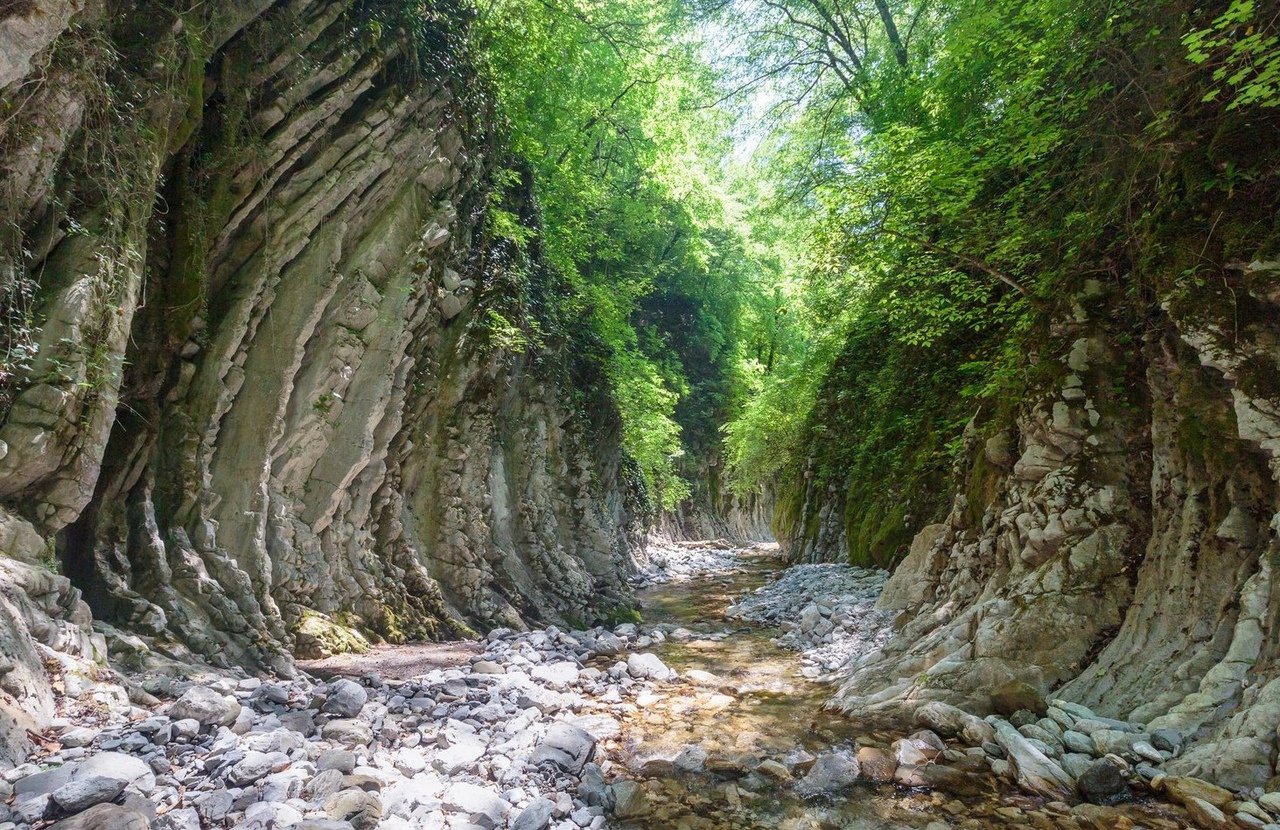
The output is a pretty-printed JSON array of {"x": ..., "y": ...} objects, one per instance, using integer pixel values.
[
  {"x": 346, "y": 699},
  {"x": 105, "y": 817},
  {"x": 1103, "y": 783},
  {"x": 536, "y": 816},
  {"x": 629, "y": 800},
  {"x": 208, "y": 707},
  {"x": 876, "y": 764},
  {"x": 567, "y": 747},
  {"x": 952, "y": 722},
  {"x": 648, "y": 667},
  {"x": 82, "y": 793},
  {"x": 832, "y": 772},
  {"x": 1032, "y": 769}
]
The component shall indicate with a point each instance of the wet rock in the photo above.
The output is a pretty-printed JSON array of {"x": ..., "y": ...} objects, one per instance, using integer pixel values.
[
  {"x": 1103, "y": 783},
  {"x": 630, "y": 800},
  {"x": 876, "y": 764},
  {"x": 832, "y": 772},
  {"x": 953, "y": 722},
  {"x": 774, "y": 770},
  {"x": 692, "y": 759},
  {"x": 731, "y": 764},
  {"x": 943, "y": 778}
]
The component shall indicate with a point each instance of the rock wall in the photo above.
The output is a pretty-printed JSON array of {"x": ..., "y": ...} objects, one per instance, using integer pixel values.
[
  {"x": 269, "y": 385},
  {"x": 1116, "y": 546}
]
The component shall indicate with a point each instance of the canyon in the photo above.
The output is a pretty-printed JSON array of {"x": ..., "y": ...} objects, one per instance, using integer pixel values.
[{"x": 283, "y": 404}]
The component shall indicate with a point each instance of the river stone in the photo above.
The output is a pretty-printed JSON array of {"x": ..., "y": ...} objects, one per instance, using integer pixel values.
[
  {"x": 250, "y": 768},
  {"x": 1076, "y": 764},
  {"x": 1103, "y": 783},
  {"x": 557, "y": 675},
  {"x": 566, "y": 746},
  {"x": 183, "y": 818},
  {"x": 692, "y": 758},
  {"x": 1169, "y": 740},
  {"x": 536, "y": 816},
  {"x": 1205, "y": 815},
  {"x": 831, "y": 773},
  {"x": 1033, "y": 770},
  {"x": 479, "y": 803},
  {"x": 629, "y": 800},
  {"x": 1271, "y": 801},
  {"x": 875, "y": 764},
  {"x": 80, "y": 794},
  {"x": 349, "y": 733},
  {"x": 342, "y": 760},
  {"x": 105, "y": 817},
  {"x": 1036, "y": 733},
  {"x": 910, "y": 753},
  {"x": 648, "y": 667},
  {"x": 953, "y": 722},
  {"x": 203, "y": 704},
  {"x": 346, "y": 699},
  {"x": 323, "y": 784},
  {"x": 1077, "y": 742},
  {"x": 1182, "y": 789},
  {"x": 774, "y": 770},
  {"x": 1143, "y": 749},
  {"x": 943, "y": 778},
  {"x": 362, "y": 809}
]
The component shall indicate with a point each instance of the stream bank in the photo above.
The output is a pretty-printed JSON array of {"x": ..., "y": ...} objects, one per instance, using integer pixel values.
[{"x": 698, "y": 718}]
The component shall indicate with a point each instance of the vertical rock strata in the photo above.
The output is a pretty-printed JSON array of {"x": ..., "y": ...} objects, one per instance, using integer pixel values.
[
  {"x": 268, "y": 219},
  {"x": 1117, "y": 545}
]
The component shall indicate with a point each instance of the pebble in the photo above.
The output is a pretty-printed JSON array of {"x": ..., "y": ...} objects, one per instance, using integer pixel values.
[{"x": 514, "y": 740}]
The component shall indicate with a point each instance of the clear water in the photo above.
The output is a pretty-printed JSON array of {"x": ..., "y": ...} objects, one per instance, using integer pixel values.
[{"x": 765, "y": 708}]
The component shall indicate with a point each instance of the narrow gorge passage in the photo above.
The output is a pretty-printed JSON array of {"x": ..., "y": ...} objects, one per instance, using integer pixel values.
[{"x": 396, "y": 395}]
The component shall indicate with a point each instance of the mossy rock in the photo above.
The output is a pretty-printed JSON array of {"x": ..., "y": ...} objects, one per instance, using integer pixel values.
[{"x": 317, "y": 636}]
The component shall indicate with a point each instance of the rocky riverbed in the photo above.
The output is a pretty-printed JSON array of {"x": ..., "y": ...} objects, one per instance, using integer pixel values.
[{"x": 705, "y": 716}]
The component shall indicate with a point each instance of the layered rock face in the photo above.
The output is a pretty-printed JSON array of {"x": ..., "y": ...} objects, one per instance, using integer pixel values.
[
  {"x": 262, "y": 387},
  {"x": 1117, "y": 545}
]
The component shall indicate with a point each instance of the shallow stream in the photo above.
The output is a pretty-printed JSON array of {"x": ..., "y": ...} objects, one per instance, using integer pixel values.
[{"x": 754, "y": 704}]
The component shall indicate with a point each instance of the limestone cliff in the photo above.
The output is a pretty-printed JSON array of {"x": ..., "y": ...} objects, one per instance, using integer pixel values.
[{"x": 270, "y": 382}]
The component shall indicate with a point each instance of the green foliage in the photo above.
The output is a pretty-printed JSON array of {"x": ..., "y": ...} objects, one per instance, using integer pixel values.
[
  {"x": 960, "y": 174},
  {"x": 605, "y": 103},
  {"x": 1243, "y": 47}
]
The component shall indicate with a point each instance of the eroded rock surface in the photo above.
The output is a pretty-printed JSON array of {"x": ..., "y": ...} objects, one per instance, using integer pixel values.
[
  {"x": 1116, "y": 547},
  {"x": 264, "y": 409}
]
